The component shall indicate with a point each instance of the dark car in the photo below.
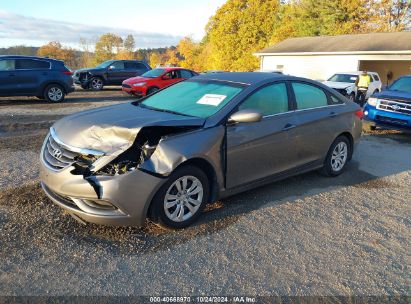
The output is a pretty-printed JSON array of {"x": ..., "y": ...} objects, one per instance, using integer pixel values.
[
  {"x": 35, "y": 76},
  {"x": 390, "y": 109},
  {"x": 199, "y": 140},
  {"x": 112, "y": 72}
]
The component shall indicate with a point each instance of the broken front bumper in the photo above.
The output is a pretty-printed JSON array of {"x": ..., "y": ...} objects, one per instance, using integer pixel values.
[{"x": 124, "y": 198}]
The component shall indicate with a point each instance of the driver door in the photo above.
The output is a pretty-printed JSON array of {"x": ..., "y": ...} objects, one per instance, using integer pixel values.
[
  {"x": 259, "y": 149},
  {"x": 117, "y": 73}
]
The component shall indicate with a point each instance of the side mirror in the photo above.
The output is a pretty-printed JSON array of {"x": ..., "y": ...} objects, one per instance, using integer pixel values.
[
  {"x": 247, "y": 115},
  {"x": 165, "y": 77},
  {"x": 111, "y": 67}
]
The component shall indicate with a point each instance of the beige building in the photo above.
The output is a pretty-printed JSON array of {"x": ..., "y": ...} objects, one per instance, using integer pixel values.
[{"x": 388, "y": 54}]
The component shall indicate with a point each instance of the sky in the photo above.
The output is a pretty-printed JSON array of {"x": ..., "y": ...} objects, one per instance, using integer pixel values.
[{"x": 153, "y": 23}]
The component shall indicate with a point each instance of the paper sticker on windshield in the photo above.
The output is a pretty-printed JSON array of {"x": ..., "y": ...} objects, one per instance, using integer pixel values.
[
  {"x": 353, "y": 78},
  {"x": 211, "y": 99}
]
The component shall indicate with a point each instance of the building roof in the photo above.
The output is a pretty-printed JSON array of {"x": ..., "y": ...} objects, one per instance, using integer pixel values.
[{"x": 374, "y": 43}]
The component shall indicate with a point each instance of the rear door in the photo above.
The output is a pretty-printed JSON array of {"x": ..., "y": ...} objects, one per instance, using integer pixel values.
[
  {"x": 8, "y": 80},
  {"x": 31, "y": 73},
  {"x": 134, "y": 68},
  {"x": 260, "y": 149},
  {"x": 318, "y": 120}
]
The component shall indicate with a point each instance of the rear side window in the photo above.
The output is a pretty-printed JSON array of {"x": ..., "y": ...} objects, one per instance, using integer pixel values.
[
  {"x": 131, "y": 65},
  {"x": 270, "y": 100},
  {"x": 186, "y": 74},
  {"x": 308, "y": 96},
  {"x": 31, "y": 64},
  {"x": 376, "y": 78},
  {"x": 7, "y": 65}
]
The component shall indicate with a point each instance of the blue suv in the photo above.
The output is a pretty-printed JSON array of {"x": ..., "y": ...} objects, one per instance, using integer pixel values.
[
  {"x": 45, "y": 78},
  {"x": 390, "y": 109}
]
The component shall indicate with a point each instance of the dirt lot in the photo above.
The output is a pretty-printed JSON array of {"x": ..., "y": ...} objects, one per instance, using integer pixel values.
[{"x": 307, "y": 235}]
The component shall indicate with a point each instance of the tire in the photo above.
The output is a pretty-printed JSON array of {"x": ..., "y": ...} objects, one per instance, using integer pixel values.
[
  {"x": 167, "y": 212},
  {"x": 54, "y": 93},
  {"x": 96, "y": 84},
  {"x": 336, "y": 160},
  {"x": 152, "y": 90}
]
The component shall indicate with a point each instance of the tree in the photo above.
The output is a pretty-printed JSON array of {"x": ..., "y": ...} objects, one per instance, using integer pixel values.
[
  {"x": 107, "y": 47},
  {"x": 129, "y": 43},
  {"x": 155, "y": 59},
  {"x": 238, "y": 29},
  {"x": 390, "y": 15},
  {"x": 86, "y": 57},
  {"x": 55, "y": 50}
]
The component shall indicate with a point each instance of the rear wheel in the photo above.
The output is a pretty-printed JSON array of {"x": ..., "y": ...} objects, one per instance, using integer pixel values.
[
  {"x": 96, "y": 84},
  {"x": 338, "y": 156},
  {"x": 54, "y": 93},
  {"x": 179, "y": 202}
]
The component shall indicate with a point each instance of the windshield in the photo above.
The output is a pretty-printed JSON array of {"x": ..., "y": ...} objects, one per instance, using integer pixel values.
[
  {"x": 193, "y": 98},
  {"x": 104, "y": 64},
  {"x": 154, "y": 73},
  {"x": 343, "y": 78},
  {"x": 402, "y": 84}
]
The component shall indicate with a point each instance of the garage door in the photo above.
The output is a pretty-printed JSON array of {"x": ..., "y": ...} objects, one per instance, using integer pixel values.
[{"x": 384, "y": 68}]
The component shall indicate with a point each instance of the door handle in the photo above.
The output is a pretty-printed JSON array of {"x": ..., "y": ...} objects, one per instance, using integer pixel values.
[
  {"x": 332, "y": 114},
  {"x": 288, "y": 127}
]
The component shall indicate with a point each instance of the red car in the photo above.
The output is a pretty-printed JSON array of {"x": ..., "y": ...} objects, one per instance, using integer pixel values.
[{"x": 155, "y": 80}]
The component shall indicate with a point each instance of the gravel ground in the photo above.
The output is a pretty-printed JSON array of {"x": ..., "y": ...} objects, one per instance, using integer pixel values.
[{"x": 307, "y": 235}]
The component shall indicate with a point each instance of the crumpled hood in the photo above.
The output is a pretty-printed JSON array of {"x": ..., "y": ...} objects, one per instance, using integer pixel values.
[
  {"x": 91, "y": 70},
  {"x": 338, "y": 85},
  {"x": 395, "y": 95},
  {"x": 114, "y": 128}
]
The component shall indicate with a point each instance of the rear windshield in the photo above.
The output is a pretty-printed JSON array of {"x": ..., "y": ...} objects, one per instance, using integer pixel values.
[
  {"x": 193, "y": 98},
  {"x": 343, "y": 78}
]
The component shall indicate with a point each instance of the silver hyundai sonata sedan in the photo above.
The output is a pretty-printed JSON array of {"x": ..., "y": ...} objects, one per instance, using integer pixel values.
[{"x": 166, "y": 156}]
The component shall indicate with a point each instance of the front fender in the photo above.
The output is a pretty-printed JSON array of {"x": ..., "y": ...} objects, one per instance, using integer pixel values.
[{"x": 173, "y": 151}]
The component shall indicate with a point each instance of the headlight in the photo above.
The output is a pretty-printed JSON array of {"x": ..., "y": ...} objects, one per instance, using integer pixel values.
[
  {"x": 139, "y": 84},
  {"x": 372, "y": 101}
]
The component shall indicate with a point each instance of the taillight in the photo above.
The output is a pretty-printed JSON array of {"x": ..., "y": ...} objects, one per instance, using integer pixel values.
[
  {"x": 359, "y": 114},
  {"x": 69, "y": 73}
]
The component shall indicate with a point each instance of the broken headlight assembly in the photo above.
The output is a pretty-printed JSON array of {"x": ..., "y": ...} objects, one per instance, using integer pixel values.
[{"x": 129, "y": 160}]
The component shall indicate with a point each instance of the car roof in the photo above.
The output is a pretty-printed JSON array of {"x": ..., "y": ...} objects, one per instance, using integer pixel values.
[
  {"x": 26, "y": 57},
  {"x": 356, "y": 73},
  {"x": 249, "y": 78}
]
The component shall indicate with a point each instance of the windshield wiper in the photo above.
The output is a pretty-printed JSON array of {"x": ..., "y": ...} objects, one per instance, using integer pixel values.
[{"x": 164, "y": 110}]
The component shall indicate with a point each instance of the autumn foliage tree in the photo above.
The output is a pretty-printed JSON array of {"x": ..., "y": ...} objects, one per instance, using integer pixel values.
[
  {"x": 55, "y": 50},
  {"x": 107, "y": 47}
]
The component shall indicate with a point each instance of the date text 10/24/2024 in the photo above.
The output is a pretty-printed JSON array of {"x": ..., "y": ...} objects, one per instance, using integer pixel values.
[{"x": 203, "y": 299}]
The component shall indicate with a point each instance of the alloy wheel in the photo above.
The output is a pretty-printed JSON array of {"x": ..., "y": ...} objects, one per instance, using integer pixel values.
[
  {"x": 183, "y": 198},
  {"x": 55, "y": 94},
  {"x": 339, "y": 156},
  {"x": 96, "y": 84}
]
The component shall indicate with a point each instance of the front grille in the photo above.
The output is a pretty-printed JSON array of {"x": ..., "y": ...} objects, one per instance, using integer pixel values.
[
  {"x": 394, "y": 106},
  {"x": 57, "y": 156},
  {"x": 391, "y": 120},
  {"x": 126, "y": 86}
]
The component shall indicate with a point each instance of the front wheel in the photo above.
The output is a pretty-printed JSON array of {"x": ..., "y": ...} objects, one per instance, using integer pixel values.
[
  {"x": 54, "y": 93},
  {"x": 337, "y": 157},
  {"x": 96, "y": 84},
  {"x": 179, "y": 202}
]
